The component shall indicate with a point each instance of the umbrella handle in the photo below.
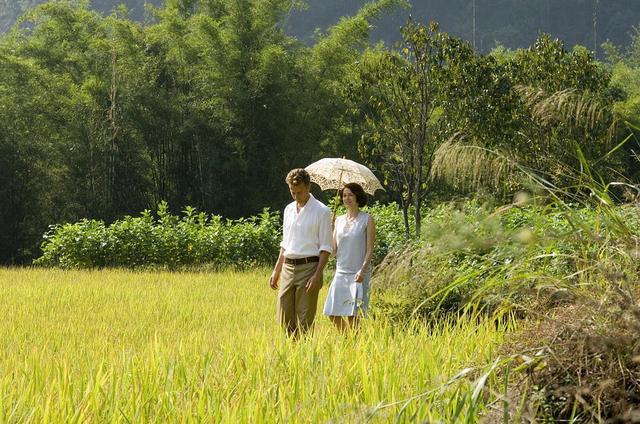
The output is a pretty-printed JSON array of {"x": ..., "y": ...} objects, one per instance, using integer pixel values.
[
  {"x": 335, "y": 200},
  {"x": 335, "y": 206}
]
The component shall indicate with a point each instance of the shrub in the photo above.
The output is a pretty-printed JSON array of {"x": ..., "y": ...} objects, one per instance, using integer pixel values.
[
  {"x": 389, "y": 229},
  {"x": 475, "y": 255},
  {"x": 587, "y": 366},
  {"x": 167, "y": 241},
  {"x": 80, "y": 245},
  {"x": 194, "y": 239}
]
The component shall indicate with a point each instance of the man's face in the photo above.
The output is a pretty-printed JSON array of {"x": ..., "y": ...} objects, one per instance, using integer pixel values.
[{"x": 299, "y": 192}]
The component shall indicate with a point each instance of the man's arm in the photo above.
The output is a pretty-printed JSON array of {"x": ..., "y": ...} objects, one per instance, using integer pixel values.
[
  {"x": 325, "y": 232},
  {"x": 325, "y": 237},
  {"x": 277, "y": 269}
]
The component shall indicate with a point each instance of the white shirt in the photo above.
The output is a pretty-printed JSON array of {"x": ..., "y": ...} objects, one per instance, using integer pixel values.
[{"x": 308, "y": 232}]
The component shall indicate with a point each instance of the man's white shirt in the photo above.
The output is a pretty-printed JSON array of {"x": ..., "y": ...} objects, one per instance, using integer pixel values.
[{"x": 308, "y": 232}]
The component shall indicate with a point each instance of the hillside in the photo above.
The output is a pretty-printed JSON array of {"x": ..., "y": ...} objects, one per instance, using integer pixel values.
[{"x": 513, "y": 23}]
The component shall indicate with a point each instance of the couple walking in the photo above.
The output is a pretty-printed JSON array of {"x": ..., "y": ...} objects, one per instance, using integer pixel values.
[{"x": 308, "y": 238}]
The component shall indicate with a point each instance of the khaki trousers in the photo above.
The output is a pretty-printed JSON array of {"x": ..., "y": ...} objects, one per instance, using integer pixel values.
[{"x": 296, "y": 306}]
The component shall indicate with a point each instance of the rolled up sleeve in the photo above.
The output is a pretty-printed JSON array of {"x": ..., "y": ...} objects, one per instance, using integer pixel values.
[
  {"x": 285, "y": 226},
  {"x": 326, "y": 236}
]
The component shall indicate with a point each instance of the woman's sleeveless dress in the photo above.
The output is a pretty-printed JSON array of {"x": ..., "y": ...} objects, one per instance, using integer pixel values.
[{"x": 346, "y": 297}]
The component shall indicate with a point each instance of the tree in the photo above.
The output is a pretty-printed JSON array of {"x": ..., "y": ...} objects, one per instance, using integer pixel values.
[
  {"x": 555, "y": 105},
  {"x": 400, "y": 95},
  {"x": 209, "y": 105},
  {"x": 32, "y": 124}
]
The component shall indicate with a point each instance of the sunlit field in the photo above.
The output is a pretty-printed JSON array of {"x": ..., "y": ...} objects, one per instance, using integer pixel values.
[{"x": 118, "y": 346}]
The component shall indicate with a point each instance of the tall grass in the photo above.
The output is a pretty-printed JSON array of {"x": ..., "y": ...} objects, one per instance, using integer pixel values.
[
  {"x": 549, "y": 244},
  {"x": 116, "y": 346},
  {"x": 567, "y": 259}
]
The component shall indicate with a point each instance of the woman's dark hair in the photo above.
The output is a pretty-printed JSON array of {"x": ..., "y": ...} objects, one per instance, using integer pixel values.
[{"x": 358, "y": 191}]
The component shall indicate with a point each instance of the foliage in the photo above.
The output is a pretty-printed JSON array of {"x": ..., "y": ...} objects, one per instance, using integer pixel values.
[
  {"x": 625, "y": 80},
  {"x": 207, "y": 104},
  {"x": 586, "y": 365},
  {"x": 210, "y": 103},
  {"x": 193, "y": 240},
  {"x": 389, "y": 230},
  {"x": 168, "y": 241},
  {"x": 571, "y": 268},
  {"x": 400, "y": 96},
  {"x": 475, "y": 256},
  {"x": 542, "y": 105},
  {"x": 513, "y": 23}
]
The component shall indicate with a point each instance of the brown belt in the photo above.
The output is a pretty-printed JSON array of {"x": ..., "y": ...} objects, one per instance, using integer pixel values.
[{"x": 300, "y": 261}]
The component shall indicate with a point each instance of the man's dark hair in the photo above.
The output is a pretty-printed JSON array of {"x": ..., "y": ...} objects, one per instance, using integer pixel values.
[{"x": 298, "y": 176}]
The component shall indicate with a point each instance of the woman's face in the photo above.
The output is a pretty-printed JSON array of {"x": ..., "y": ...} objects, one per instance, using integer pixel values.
[{"x": 348, "y": 198}]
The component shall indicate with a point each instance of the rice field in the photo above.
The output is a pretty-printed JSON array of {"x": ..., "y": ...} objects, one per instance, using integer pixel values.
[{"x": 120, "y": 346}]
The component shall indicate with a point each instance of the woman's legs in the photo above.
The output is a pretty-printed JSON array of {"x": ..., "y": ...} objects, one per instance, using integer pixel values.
[
  {"x": 339, "y": 323},
  {"x": 351, "y": 323}
]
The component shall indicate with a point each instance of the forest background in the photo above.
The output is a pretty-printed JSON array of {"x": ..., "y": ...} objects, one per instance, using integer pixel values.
[{"x": 210, "y": 103}]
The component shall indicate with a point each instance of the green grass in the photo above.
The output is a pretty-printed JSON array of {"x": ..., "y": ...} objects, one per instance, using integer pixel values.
[{"x": 118, "y": 346}]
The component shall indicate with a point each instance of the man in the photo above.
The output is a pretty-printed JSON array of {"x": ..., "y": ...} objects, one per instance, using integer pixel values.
[{"x": 304, "y": 251}]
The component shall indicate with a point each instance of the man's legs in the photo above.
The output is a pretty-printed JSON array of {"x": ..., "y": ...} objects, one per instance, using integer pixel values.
[
  {"x": 296, "y": 306},
  {"x": 287, "y": 299},
  {"x": 306, "y": 302}
]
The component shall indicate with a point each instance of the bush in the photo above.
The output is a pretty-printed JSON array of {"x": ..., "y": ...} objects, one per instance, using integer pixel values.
[
  {"x": 79, "y": 245},
  {"x": 587, "y": 366},
  {"x": 474, "y": 255},
  {"x": 192, "y": 240},
  {"x": 167, "y": 241},
  {"x": 389, "y": 230}
]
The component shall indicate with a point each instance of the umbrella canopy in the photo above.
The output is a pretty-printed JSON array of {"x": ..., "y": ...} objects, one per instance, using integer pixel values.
[{"x": 334, "y": 173}]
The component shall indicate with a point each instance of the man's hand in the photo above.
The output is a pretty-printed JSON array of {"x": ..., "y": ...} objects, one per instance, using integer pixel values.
[
  {"x": 273, "y": 280},
  {"x": 359, "y": 276},
  {"x": 277, "y": 269},
  {"x": 313, "y": 283}
]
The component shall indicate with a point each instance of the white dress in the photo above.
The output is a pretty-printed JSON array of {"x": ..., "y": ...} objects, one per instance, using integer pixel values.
[{"x": 346, "y": 297}]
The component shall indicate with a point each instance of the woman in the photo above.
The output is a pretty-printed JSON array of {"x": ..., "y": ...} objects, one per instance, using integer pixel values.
[{"x": 353, "y": 238}]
